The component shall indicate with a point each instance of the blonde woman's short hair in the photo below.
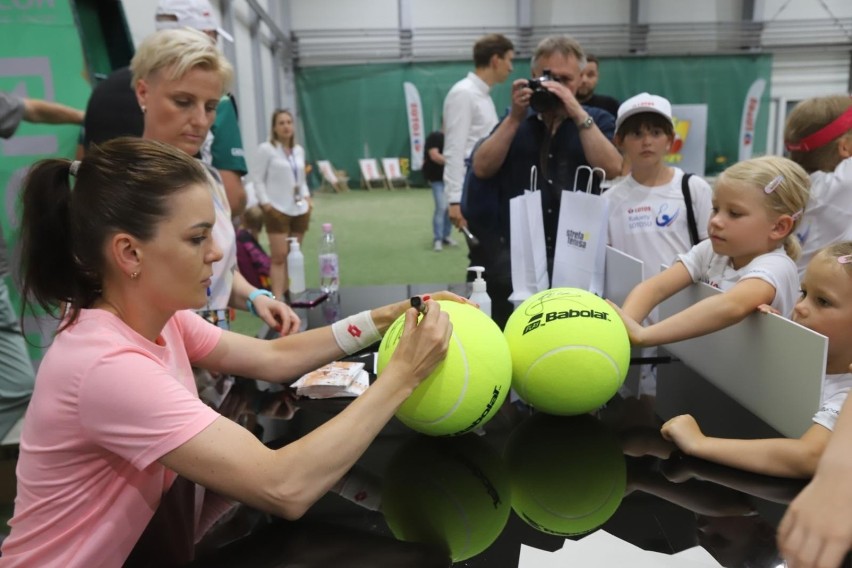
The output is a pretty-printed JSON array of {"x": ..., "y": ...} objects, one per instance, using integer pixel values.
[
  {"x": 179, "y": 51},
  {"x": 789, "y": 196}
]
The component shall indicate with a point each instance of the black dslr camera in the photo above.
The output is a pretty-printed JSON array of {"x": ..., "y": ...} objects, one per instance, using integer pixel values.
[{"x": 541, "y": 99}]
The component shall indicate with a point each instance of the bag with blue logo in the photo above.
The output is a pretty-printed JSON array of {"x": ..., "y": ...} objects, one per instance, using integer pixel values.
[{"x": 580, "y": 255}]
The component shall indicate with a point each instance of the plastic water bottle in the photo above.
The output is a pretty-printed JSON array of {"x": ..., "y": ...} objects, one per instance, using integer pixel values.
[
  {"x": 329, "y": 266},
  {"x": 296, "y": 267}
]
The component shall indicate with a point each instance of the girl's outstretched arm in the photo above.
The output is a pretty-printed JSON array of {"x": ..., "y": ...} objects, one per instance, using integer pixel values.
[
  {"x": 708, "y": 315},
  {"x": 648, "y": 293},
  {"x": 781, "y": 457}
]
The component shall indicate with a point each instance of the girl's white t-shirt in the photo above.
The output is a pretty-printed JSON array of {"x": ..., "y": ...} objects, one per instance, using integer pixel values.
[
  {"x": 775, "y": 268},
  {"x": 828, "y": 214},
  {"x": 834, "y": 391}
]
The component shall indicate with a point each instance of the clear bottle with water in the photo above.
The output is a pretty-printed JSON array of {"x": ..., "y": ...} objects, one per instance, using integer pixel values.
[{"x": 329, "y": 267}]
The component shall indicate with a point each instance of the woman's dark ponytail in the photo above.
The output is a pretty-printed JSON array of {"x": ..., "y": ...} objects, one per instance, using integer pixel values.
[
  {"x": 70, "y": 210},
  {"x": 47, "y": 260}
]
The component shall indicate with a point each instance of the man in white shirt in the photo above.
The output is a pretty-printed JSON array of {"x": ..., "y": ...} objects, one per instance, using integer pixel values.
[{"x": 469, "y": 114}]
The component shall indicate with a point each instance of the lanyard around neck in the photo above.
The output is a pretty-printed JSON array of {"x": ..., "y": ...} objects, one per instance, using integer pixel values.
[{"x": 291, "y": 159}]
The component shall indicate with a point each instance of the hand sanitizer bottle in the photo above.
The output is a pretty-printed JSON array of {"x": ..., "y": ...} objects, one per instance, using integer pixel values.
[
  {"x": 296, "y": 267},
  {"x": 478, "y": 293}
]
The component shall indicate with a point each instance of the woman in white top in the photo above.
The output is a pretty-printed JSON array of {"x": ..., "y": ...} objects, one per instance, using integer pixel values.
[{"x": 283, "y": 194}]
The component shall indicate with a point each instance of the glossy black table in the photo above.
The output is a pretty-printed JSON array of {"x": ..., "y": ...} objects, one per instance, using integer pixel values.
[{"x": 525, "y": 478}]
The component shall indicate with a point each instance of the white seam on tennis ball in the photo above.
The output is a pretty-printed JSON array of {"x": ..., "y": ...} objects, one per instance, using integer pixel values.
[
  {"x": 460, "y": 510},
  {"x": 606, "y": 355},
  {"x": 464, "y": 387},
  {"x": 586, "y": 514}
]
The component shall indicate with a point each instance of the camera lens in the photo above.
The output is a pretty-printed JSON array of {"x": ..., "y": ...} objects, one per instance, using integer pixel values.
[{"x": 543, "y": 100}]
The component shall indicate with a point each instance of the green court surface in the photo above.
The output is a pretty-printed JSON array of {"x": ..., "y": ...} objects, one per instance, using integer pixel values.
[{"x": 383, "y": 237}]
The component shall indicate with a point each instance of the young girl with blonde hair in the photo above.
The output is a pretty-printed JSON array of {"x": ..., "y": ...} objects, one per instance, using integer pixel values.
[
  {"x": 825, "y": 306},
  {"x": 757, "y": 205}
]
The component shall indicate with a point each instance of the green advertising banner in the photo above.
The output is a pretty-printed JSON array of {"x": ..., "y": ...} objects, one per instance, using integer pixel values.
[
  {"x": 359, "y": 111},
  {"x": 40, "y": 57}
]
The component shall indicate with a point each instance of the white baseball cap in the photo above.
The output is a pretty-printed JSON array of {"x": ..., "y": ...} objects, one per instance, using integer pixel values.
[
  {"x": 196, "y": 14},
  {"x": 643, "y": 102}
]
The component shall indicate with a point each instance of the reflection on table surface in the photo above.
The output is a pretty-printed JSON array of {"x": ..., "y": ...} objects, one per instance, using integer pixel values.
[{"x": 525, "y": 477}]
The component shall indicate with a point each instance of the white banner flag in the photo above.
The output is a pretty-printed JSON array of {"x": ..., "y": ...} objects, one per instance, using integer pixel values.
[
  {"x": 414, "y": 110},
  {"x": 751, "y": 106}
]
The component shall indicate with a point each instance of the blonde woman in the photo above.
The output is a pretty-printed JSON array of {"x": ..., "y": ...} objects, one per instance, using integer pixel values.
[
  {"x": 283, "y": 194},
  {"x": 179, "y": 76}
]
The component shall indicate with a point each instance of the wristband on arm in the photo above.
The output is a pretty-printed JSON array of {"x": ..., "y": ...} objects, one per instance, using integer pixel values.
[
  {"x": 253, "y": 296},
  {"x": 355, "y": 332}
]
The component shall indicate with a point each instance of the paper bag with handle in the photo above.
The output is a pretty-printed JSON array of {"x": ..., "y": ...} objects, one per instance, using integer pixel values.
[
  {"x": 529, "y": 257},
  {"x": 580, "y": 253}
]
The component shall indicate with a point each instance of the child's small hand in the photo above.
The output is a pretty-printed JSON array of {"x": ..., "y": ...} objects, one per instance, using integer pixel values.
[
  {"x": 635, "y": 331},
  {"x": 683, "y": 430},
  {"x": 767, "y": 309}
]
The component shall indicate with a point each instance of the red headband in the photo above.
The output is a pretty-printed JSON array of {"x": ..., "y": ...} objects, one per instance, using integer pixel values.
[{"x": 841, "y": 125}]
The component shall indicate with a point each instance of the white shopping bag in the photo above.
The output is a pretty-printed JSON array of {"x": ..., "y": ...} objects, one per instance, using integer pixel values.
[
  {"x": 529, "y": 258},
  {"x": 580, "y": 254}
]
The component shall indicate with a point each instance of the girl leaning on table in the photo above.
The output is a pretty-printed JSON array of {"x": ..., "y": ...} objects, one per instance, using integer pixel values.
[
  {"x": 115, "y": 415},
  {"x": 749, "y": 255},
  {"x": 825, "y": 306}
]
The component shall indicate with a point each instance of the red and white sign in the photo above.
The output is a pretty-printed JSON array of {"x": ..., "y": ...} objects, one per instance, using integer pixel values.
[{"x": 414, "y": 112}]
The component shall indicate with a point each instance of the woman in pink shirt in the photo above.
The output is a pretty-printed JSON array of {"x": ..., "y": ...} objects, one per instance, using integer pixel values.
[{"x": 115, "y": 415}]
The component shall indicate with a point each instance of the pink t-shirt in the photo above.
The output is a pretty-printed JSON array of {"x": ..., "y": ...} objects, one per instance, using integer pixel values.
[{"x": 107, "y": 405}]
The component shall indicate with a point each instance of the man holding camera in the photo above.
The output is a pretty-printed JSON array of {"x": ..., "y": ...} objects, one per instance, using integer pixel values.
[{"x": 556, "y": 134}]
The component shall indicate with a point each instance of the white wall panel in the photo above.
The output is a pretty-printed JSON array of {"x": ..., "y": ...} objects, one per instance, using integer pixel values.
[
  {"x": 797, "y": 76},
  {"x": 467, "y": 13},
  {"x": 693, "y": 11},
  {"x": 806, "y": 9},
  {"x": 345, "y": 14},
  {"x": 560, "y": 13}
]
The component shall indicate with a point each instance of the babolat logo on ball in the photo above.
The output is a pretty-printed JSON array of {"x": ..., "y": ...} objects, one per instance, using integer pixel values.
[
  {"x": 495, "y": 394},
  {"x": 577, "y": 239},
  {"x": 535, "y": 321}
]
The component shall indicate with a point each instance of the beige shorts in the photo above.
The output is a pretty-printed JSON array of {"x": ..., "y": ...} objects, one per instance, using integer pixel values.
[{"x": 278, "y": 223}]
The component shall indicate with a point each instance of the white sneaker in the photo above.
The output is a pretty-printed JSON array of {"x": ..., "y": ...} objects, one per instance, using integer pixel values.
[
  {"x": 437, "y": 247},
  {"x": 450, "y": 242}
]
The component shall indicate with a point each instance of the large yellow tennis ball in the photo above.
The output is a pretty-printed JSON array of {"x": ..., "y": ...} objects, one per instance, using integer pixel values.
[
  {"x": 570, "y": 351},
  {"x": 468, "y": 387},
  {"x": 568, "y": 473},
  {"x": 449, "y": 492}
]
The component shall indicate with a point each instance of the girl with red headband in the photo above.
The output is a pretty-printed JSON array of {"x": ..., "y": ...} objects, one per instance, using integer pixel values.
[{"x": 819, "y": 138}]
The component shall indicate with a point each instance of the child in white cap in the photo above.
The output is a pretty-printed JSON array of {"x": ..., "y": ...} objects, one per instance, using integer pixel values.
[{"x": 648, "y": 215}]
